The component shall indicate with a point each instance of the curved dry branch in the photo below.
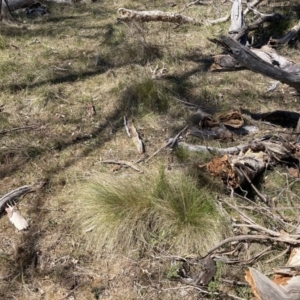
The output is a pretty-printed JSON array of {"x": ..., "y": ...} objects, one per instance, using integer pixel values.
[
  {"x": 13, "y": 196},
  {"x": 291, "y": 35}
]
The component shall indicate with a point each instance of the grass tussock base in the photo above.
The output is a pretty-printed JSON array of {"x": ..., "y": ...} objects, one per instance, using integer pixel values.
[{"x": 168, "y": 212}]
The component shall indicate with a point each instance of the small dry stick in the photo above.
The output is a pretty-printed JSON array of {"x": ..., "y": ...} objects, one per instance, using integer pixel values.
[
  {"x": 17, "y": 129},
  {"x": 170, "y": 143},
  {"x": 288, "y": 248},
  {"x": 126, "y": 127},
  {"x": 122, "y": 162},
  {"x": 259, "y": 194}
]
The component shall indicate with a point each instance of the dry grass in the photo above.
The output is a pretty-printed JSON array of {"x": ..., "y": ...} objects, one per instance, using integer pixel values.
[
  {"x": 49, "y": 78},
  {"x": 169, "y": 211}
]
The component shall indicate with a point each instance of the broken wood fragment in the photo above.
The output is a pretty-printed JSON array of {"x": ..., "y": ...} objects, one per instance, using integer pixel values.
[
  {"x": 235, "y": 171},
  {"x": 283, "y": 118},
  {"x": 126, "y": 127},
  {"x": 237, "y": 19},
  {"x": 13, "y": 196},
  {"x": 286, "y": 282},
  {"x": 289, "y": 75},
  {"x": 16, "y": 218},
  {"x": 222, "y": 127},
  {"x": 129, "y": 15},
  {"x": 136, "y": 137},
  {"x": 122, "y": 162},
  {"x": 290, "y": 36}
]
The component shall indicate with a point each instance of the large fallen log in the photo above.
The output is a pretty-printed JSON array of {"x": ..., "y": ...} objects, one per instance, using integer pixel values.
[
  {"x": 268, "y": 63},
  {"x": 225, "y": 62}
]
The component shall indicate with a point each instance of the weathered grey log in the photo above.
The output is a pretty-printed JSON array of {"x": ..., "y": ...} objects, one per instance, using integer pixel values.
[
  {"x": 13, "y": 196},
  {"x": 223, "y": 62},
  {"x": 290, "y": 75}
]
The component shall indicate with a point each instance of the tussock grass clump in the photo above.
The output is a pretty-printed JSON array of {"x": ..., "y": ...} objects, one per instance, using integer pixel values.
[
  {"x": 145, "y": 96},
  {"x": 139, "y": 213}
]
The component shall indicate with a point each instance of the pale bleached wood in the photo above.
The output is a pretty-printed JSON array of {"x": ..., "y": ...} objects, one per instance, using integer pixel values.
[
  {"x": 237, "y": 18},
  {"x": 16, "y": 218}
]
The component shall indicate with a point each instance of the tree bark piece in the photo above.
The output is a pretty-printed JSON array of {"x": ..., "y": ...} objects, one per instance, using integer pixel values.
[
  {"x": 232, "y": 170},
  {"x": 129, "y": 15},
  {"x": 13, "y": 197},
  {"x": 251, "y": 161},
  {"x": 237, "y": 20},
  {"x": 289, "y": 75},
  {"x": 16, "y": 218},
  {"x": 286, "y": 282},
  {"x": 279, "y": 117},
  {"x": 136, "y": 137}
]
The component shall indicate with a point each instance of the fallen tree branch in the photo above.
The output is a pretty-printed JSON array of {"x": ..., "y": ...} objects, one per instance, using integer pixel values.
[
  {"x": 249, "y": 59},
  {"x": 122, "y": 162},
  {"x": 288, "y": 239},
  {"x": 291, "y": 35},
  {"x": 129, "y": 15},
  {"x": 13, "y": 197},
  {"x": 171, "y": 142},
  {"x": 243, "y": 262},
  {"x": 251, "y": 5},
  {"x": 227, "y": 17},
  {"x": 229, "y": 150},
  {"x": 218, "y": 21},
  {"x": 262, "y": 19},
  {"x": 17, "y": 129}
]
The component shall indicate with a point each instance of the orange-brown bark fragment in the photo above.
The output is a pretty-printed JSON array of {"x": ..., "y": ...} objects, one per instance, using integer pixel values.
[{"x": 251, "y": 281}]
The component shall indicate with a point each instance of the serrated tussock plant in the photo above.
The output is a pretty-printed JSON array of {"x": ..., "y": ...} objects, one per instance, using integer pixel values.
[{"x": 166, "y": 210}]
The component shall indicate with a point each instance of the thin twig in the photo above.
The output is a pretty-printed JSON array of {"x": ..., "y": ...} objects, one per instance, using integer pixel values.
[
  {"x": 122, "y": 162},
  {"x": 170, "y": 143},
  {"x": 17, "y": 129},
  {"x": 288, "y": 248},
  {"x": 259, "y": 194}
]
